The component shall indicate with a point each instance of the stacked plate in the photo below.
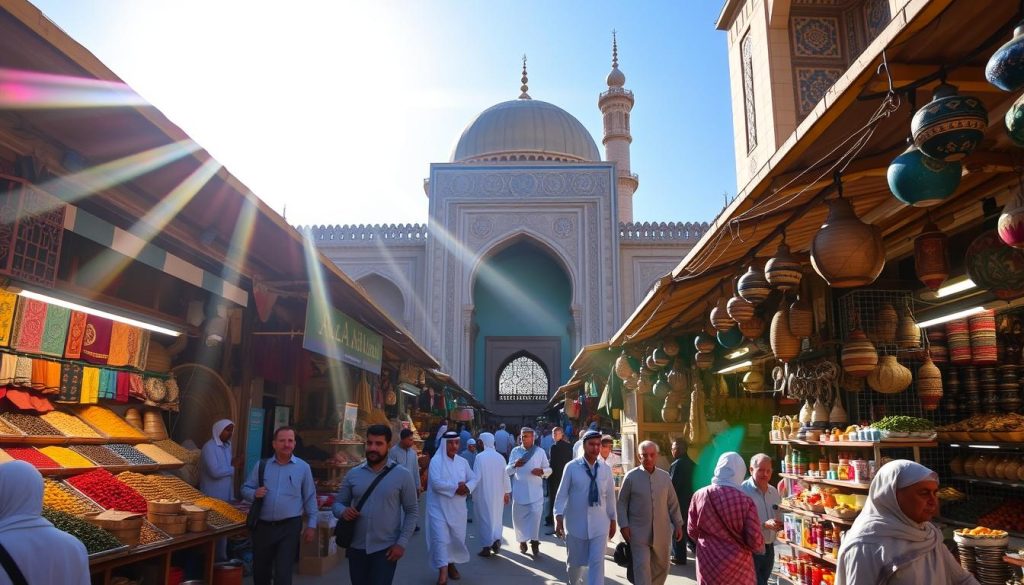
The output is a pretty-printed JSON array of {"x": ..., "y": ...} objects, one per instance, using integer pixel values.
[
  {"x": 970, "y": 392},
  {"x": 1009, "y": 387},
  {"x": 958, "y": 339},
  {"x": 988, "y": 386},
  {"x": 982, "y": 329},
  {"x": 990, "y": 568}
]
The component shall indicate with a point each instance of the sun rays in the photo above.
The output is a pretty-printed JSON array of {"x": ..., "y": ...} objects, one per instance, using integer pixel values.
[{"x": 31, "y": 90}]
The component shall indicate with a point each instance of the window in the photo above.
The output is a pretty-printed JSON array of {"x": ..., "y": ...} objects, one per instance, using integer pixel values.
[
  {"x": 523, "y": 378},
  {"x": 747, "y": 58}
]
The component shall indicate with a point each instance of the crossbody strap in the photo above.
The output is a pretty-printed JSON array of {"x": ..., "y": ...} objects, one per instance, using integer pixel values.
[
  {"x": 15, "y": 574},
  {"x": 263, "y": 468},
  {"x": 373, "y": 484}
]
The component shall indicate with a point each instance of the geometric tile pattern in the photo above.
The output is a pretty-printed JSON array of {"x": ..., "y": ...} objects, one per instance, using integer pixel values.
[
  {"x": 815, "y": 36},
  {"x": 812, "y": 83},
  {"x": 876, "y": 17},
  {"x": 749, "y": 110}
]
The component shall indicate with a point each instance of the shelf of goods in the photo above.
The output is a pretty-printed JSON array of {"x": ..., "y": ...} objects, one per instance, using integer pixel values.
[{"x": 347, "y": 454}]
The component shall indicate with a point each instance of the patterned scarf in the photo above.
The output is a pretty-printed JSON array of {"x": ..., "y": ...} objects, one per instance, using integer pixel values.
[{"x": 594, "y": 495}]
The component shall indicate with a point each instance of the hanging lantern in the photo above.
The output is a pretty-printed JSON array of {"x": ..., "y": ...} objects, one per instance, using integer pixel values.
[
  {"x": 859, "y": 357},
  {"x": 951, "y": 126},
  {"x": 753, "y": 328},
  {"x": 1011, "y": 222},
  {"x": 720, "y": 318},
  {"x": 753, "y": 286},
  {"x": 931, "y": 256},
  {"x": 890, "y": 377},
  {"x": 801, "y": 318},
  {"x": 929, "y": 385},
  {"x": 922, "y": 181},
  {"x": 847, "y": 252},
  {"x": 704, "y": 343},
  {"x": 704, "y": 360},
  {"x": 731, "y": 338},
  {"x": 908, "y": 334},
  {"x": 783, "y": 271},
  {"x": 671, "y": 347},
  {"x": 785, "y": 345},
  {"x": 739, "y": 308},
  {"x": 1005, "y": 68}
]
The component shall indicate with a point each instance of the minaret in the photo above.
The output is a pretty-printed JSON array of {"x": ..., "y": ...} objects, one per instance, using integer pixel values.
[
  {"x": 615, "y": 104},
  {"x": 525, "y": 87}
]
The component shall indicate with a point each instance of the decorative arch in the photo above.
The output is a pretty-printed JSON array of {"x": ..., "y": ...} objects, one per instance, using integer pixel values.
[
  {"x": 524, "y": 235},
  {"x": 387, "y": 294},
  {"x": 522, "y": 376}
]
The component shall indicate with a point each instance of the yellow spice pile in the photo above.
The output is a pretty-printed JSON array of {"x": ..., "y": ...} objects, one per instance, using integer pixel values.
[
  {"x": 177, "y": 450},
  {"x": 66, "y": 457},
  {"x": 108, "y": 422},
  {"x": 157, "y": 454},
  {"x": 150, "y": 534},
  {"x": 55, "y": 495},
  {"x": 178, "y": 488},
  {"x": 145, "y": 485},
  {"x": 221, "y": 507},
  {"x": 70, "y": 425}
]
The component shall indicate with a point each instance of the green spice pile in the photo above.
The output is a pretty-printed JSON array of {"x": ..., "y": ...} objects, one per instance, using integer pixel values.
[
  {"x": 904, "y": 424},
  {"x": 93, "y": 537}
]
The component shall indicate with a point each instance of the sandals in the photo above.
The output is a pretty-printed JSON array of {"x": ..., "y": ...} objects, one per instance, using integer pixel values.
[{"x": 453, "y": 573}]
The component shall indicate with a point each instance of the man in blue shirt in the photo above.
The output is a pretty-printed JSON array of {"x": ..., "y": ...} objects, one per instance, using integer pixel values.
[
  {"x": 759, "y": 488},
  {"x": 287, "y": 492}
]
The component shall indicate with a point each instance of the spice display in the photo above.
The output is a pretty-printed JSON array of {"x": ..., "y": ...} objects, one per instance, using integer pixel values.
[
  {"x": 903, "y": 424},
  {"x": 217, "y": 520},
  {"x": 180, "y": 489},
  {"x": 60, "y": 497},
  {"x": 94, "y": 538},
  {"x": 130, "y": 454},
  {"x": 31, "y": 425},
  {"x": 150, "y": 534},
  {"x": 66, "y": 457},
  {"x": 177, "y": 450},
  {"x": 33, "y": 456},
  {"x": 145, "y": 485},
  {"x": 157, "y": 454},
  {"x": 6, "y": 429},
  {"x": 69, "y": 425},
  {"x": 99, "y": 454},
  {"x": 106, "y": 491},
  {"x": 108, "y": 422},
  {"x": 224, "y": 508}
]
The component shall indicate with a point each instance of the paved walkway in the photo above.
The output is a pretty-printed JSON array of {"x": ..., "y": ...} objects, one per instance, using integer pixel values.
[{"x": 508, "y": 568}]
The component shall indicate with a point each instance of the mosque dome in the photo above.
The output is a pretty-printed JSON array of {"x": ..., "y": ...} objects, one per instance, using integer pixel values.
[
  {"x": 522, "y": 130},
  {"x": 616, "y": 78}
]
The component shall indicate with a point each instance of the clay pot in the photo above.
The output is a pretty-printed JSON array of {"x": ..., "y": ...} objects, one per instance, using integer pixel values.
[
  {"x": 908, "y": 334},
  {"x": 890, "y": 377},
  {"x": 783, "y": 271},
  {"x": 922, "y": 181},
  {"x": 671, "y": 347},
  {"x": 859, "y": 357},
  {"x": 1005, "y": 68},
  {"x": 704, "y": 343},
  {"x": 785, "y": 345},
  {"x": 704, "y": 360},
  {"x": 753, "y": 286},
  {"x": 753, "y": 328},
  {"x": 720, "y": 318},
  {"x": 753, "y": 381},
  {"x": 951, "y": 126},
  {"x": 801, "y": 318},
  {"x": 931, "y": 256},
  {"x": 929, "y": 385},
  {"x": 886, "y": 323},
  {"x": 661, "y": 387},
  {"x": 661, "y": 359},
  {"x": 1011, "y": 223},
  {"x": 847, "y": 252}
]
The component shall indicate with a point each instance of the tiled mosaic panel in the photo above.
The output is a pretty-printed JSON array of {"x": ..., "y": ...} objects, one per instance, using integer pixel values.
[
  {"x": 812, "y": 83},
  {"x": 815, "y": 36}
]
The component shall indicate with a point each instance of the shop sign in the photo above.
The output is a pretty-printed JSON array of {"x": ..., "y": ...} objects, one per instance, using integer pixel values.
[
  {"x": 254, "y": 440},
  {"x": 334, "y": 334}
]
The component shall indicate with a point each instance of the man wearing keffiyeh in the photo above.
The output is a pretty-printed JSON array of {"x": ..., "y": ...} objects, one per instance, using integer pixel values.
[{"x": 585, "y": 505}]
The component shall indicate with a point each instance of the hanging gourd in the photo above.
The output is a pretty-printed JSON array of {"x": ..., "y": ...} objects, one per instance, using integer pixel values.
[
  {"x": 671, "y": 347},
  {"x": 783, "y": 271},
  {"x": 704, "y": 343},
  {"x": 660, "y": 357},
  {"x": 859, "y": 357},
  {"x": 753, "y": 286},
  {"x": 951, "y": 126},
  {"x": 931, "y": 256},
  {"x": 1005, "y": 68},
  {"x": 703, "y": 360},
  {"x": 785, "y": 345},
  {"x": 908, "y": 334},
  {"x": 922, "y": 181},
  {"x": 801, "y": 318},
  {"x": 890, "y": 377},
  {"x": 651, "y": 364},
  {"x": 739, "y": 308},
  {"x": 847, "y": 252},
  {"x": 623, "y": 369},
  {"x": 752, "y": 328},
  {"x": 929, "y": 385},
  {"x": 886, "y": 323},
  {"x": 720, "y": 318},
  {"x": 661, "y": 387},
  {"x": 730, "y": 339}
]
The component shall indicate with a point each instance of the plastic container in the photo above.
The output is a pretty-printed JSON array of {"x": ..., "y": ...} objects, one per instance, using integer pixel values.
[{"x": 229, "y": 573}]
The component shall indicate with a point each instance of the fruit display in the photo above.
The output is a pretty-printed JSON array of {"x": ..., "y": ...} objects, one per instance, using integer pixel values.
[
  {"x": 982, "y": 532},
  {"x": 147, "y": 487},
  {"x": 33, "y": 456},
  {"x": 177, "y": 451},
  {"x": 109, "y": 423},
  {"x": 178, "y": 488},
  {"x": 904, "y": 424},
  {"x": 95, "y": 539},
  {"x": 66, "y": 457},
  {"x": 987, "y": 465},
  {"x": 130, "y": 454},
  {"x": 151, "y": 534},
  {"x": 107, "y": 491},
  {"x": 993, "y": 512},
  {"x": 986, "y": 427},
  {"x": 70, "y": 425},
  {"x": 1007, "y": 516}
]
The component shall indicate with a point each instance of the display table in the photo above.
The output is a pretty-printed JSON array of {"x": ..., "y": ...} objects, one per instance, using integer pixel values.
[{"x": 102, "y": 566}]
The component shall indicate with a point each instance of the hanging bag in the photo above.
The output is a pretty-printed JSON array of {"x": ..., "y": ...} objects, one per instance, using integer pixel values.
[
  {"x": 253, "y": 517},
  {"x": 11, "y": 568},
  {"x": 345, "y": 530}
]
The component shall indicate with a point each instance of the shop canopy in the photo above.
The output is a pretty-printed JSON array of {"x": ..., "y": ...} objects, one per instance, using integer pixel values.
[{"x": 923, "y": 42}]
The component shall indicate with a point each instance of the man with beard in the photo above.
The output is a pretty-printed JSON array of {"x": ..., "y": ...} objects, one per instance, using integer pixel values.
[
  {"x": 528, "y": 467},
  {"x": 450, "y": 480},
  {"x": 387, "y": 518}
]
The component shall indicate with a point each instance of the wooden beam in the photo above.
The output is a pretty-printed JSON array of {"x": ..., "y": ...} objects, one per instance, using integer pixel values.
[
  {"x": 969, "y": 79},
  {"x": 875, "y": 166}
]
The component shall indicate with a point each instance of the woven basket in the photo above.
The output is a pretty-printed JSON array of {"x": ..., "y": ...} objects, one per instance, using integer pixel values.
[
  {"x": 801, "y": 318},
  {"x": 859, "y": 357},
  {"x": 785, "y": 345},
  {"x": 847, "y": 252},
  {"x": 890, "y": 377},
  {"x": 929, "y": 385}
]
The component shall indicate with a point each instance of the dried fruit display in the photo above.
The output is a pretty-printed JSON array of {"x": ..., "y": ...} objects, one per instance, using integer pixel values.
[
  {"x": 130, "y": 454},
  {"x": 60, "y": 497},
  {"x": 33, "y": 456},
  {"x": 99, "y": 454},
  {"x": 157, "y": 454},
  {"x": 181, "y": 490},
  {"x": 222, "y": 507},
  {"x": 109, "y": 423},
  {"x": 31, "y": 425},
  {"x": 145, "y": 485},
  {"x": 150, "y": 534},
  {"x": 178, "y": 451},
  {"x": 105, "y": 490}
]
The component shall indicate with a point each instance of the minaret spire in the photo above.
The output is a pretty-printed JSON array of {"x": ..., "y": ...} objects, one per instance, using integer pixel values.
[
  {"x": 616, "y": 104},
  {"x": 524, "y": 87},
  {"x": 615, "y": 51}
]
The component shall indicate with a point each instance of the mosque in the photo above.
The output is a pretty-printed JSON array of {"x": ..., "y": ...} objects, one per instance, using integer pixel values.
[{"x": 529, "y": 251}]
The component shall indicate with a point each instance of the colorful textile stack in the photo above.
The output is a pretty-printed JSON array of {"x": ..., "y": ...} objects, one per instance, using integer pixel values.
[
  {"x": 959, "y": 342},
  {"x": 982, "y": 328}
]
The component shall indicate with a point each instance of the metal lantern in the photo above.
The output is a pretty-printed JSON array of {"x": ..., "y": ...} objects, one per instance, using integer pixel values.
[{"x": 931, "y": 256}]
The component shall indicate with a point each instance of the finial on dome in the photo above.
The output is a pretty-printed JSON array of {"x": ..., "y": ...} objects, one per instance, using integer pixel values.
[
  {"x": 615, "y": 51},
  {"x": 616, "y": 79},
  {"x": 524, "y": 87}
]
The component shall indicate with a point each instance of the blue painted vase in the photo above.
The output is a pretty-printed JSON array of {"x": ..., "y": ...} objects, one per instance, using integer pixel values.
[
  {"x": 1015, "y": 121},
  {"x": 1005, "y": 68},
  {"x": 730, "y": 338},
  {"x": 922, "y": 181},
  {"x": 951, "y": 126}
]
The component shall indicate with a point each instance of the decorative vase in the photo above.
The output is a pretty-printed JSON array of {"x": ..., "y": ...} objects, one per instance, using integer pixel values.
[
  {"x": 931, "y": 256},
  {"x": 785, "y": 345},
  {"x": 819, "y": 414},
  {"x": 908, "y": 334},
  {"x": 704, "y": 343},
  {"x": 1011, "y": 222},
  {"x": 661, "y": 359},
  {"x": 838, "y": 416},
  {"x": 993, "y": 265},
  {"x": 704, "y": 361},
  {"x": 950, "y": 126},
  {"x": 929, "y": 385},
  {"x": 886, "y": 323},
  {"x": 753, "y": 381},
  {"x": 1014, "y": 120},
  {"x": 720, "y": 318},
  {"x": 806, "y": 412},
  {"x": 671, "y": 347},
  {"x": 890, "y": 377},
  {"x": 752, "y": 328},
  {"x": 753, "y": 286},
  {"x": 1005, "y": 68},
  {"x": 730, "y": 339},
  {"x": 801, "y": 318},
  {"x": 783, "y": 271},
  {"x": 859, "y": 357},
  {"x": 847, "y": 252},
  {"x": 922, "y": 181}
]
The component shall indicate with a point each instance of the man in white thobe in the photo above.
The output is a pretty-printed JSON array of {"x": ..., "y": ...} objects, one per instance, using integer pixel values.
[
  {"x": 492, "y": 494},
  {"x": 450, "y": 480},
  {"x": 528, "y": 467},
  {"x": 503, "y": 441},
  {"x": 585, "y": 504},
  {"x": 648, "y": 511}
]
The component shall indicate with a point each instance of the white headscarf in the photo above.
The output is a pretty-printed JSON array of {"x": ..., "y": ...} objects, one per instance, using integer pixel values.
[
  {"x": 448, "y": 466},
  {"x": 487, "y": 439},
  {"x": 882, "y": 521},
  {"x": 218, "y": 428},
  {"x": 730, "y": 470}
]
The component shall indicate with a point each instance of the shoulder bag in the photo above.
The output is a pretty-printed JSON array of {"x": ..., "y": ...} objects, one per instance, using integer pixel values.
[
  {"x": 11, "y": 568},
  {"x": 253, "y": 517},
  {"x": 345, "y": 530}
]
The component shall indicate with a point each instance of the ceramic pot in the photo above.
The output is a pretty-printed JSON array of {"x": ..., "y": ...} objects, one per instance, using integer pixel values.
[
  {"x": 1005, "y": 68},
  {"x": 929, "y": 385},
  {"x": 922, "y": 181},
  {"x": 1011, "y": 223},
  {"x": 704, "y": 343},
  {"x": 847, "y": 252},
  {"x": 752, "y": 328},
  {"x": 950, "y": 126},
  {"x": 661, "y": 387},
  {"x": 1014, "y": 120},
  {"x": 993, "y": 265},
  {"x": 886, "y": 323},
  {"x": 908, "y": 334},
  {"x": 859, "y": 357},
  {"x": 661, "y": 359},
  {"x": 730, "y": 339},
  {"x": 671, "y": 347},
  {"x": 704, "y": 360},
  {"x": 801, "y": 318},
  {"x": 753, "y": 286},
  {"x": 931, "y": 256},
  {"x": 740, "y": 309},
  {"x": 783, "y": 271},
  {"x": 720, "y": 318},
  {"x": 623, "y": 369},
  {"x": 753, "y": 381},
  {"x": 785, "y": 345},
  {"x": 890, "y": 377}
]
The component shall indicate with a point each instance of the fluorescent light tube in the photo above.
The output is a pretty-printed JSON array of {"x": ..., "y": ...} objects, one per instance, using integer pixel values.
[
  {"x": 950, "y": 317},
  {"x": 735, "y": 367},
  {"x": 82, "y": 308},
  {"x": 739, "y": 352},
  {"x": 954, "y": 288}
]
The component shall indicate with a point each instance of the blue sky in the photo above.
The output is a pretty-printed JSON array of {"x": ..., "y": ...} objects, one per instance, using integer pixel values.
[{"x": 336, "y": 109}]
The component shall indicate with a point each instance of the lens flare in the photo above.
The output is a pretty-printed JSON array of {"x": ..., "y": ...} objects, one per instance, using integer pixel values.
[{"x": 31, "y": 90}]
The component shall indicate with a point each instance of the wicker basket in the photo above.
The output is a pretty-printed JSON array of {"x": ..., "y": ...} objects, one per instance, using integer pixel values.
[{"x": 785, "y": 345}]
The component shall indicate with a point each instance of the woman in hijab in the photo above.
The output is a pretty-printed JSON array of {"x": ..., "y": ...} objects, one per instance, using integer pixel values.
[
  {"x": 724, "y": 523},
  {"x": 25, "y": 534},
  {"x": 217, "y": 471},
  {"x": 892, "y": 541}
]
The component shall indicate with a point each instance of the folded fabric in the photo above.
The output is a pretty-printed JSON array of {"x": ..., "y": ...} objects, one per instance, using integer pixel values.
[
  {"x": 55, "y": 330},
  {"x": 76, "y": 335},
  {"x": 8, "y": 304},
  {"x": 138, "y": 360},
  {"x": 29, "y": 321},
  {"x": 136, "y": 388},
  {"x": 90, "y": 385},
  {"x": 108, "y": 384},
  {"x": 70, "y": 382},
  {"x": 8, "y": 362},
  {"x": 22, "y": 371},
  {"x": 120, "y": 338},
  {"x": 123, "y": 386},
  {"x": 96, "y": 347},
  {"x": 38, "y": 381}
]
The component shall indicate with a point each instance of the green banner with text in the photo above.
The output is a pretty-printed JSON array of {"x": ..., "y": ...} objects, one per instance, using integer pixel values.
[{"x": 334, "y": 334}]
